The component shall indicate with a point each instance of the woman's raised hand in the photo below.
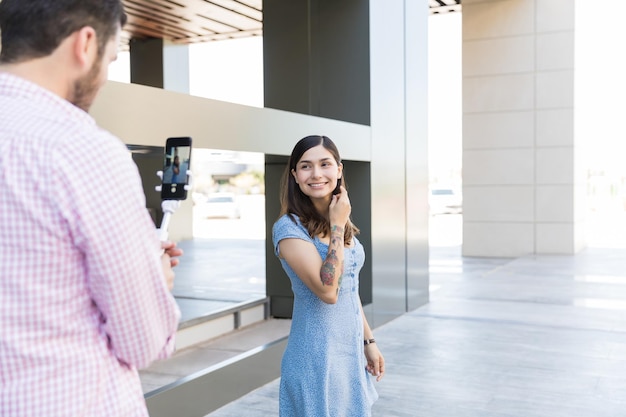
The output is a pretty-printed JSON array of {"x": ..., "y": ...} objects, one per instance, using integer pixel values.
[{"x": 340, "y": 208}]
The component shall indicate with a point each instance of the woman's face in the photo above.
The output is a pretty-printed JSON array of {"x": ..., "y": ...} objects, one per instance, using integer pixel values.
[{"x": 317, "y": 172}]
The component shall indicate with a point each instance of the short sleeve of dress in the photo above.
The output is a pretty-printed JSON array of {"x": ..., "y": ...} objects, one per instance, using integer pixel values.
[{"x": 287, "y": 228}]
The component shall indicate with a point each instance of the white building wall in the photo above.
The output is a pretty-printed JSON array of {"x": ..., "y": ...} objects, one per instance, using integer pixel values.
[{"x": 519, "y": 180}]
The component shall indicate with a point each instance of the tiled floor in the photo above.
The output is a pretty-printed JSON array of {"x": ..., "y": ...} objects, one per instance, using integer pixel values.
[{"x": 537, "y": 336}]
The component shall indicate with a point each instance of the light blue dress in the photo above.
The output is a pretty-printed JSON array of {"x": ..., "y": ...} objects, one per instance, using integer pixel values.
[{"x": 323, "y": 368}]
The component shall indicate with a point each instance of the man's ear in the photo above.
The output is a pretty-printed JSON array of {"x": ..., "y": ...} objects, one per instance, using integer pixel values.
[{"x": 85, "y": 47}]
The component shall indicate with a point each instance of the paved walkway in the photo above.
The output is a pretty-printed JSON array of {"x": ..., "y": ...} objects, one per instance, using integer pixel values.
[{"x": 537, "y": 336}]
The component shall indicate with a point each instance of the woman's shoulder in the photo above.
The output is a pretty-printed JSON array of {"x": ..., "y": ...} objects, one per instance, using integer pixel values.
[
  {"x": 289, "y": 225},
  {"x": 288, "y": 222}
]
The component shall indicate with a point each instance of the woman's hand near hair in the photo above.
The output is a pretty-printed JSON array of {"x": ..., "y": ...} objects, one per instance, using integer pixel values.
[
  {"x": 331, "y": 272},
  {"x": 339, "y": 209}
]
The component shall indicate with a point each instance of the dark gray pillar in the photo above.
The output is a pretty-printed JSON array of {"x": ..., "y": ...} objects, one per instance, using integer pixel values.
[
  {"x": 277, "y": 285},
  {"x": 357, "y": 175},
  {"x": 146, "y": 62},
  {"x": 316, "y": 62},
  {"x": 316, "y": 58}
]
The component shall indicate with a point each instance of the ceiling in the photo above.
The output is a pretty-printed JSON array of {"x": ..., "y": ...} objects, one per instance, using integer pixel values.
[
  {"x": 192, "y": 21},
  {"x": 444, "y": 6}
]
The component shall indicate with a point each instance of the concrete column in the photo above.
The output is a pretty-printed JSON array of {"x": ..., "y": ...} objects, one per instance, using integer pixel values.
[
  {"x": 159, "y": 63},
  {"x": 399, "y": 111},
  {"x": 522, "y": 183},
  {"x": 176, "y": 67},
  {"x": 146, "y": 62}
]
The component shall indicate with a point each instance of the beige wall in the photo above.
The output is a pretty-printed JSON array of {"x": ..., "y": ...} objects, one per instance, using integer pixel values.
[{"x": 521, "y": 183}]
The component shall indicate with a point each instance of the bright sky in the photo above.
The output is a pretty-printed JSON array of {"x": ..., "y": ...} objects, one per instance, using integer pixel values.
[
  {"x": 229, "y": 70},
  {"x": 444, "y": 97}
]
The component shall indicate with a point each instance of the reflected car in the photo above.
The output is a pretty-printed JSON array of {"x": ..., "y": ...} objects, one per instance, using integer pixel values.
[
  {"x": 221, "y": 205},
  {"x": 445, "y": 201}
]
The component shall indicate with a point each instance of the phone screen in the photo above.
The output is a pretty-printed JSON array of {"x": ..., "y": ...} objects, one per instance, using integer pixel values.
[{"x": 176, "y": 162}]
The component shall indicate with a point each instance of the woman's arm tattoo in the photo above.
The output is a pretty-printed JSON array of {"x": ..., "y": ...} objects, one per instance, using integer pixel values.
[
  {"x": 328, "y": 268},
  {"x": 332, "y": 262}
]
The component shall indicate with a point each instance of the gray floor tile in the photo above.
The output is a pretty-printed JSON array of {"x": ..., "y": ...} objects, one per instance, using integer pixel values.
[{"x": 537, "y": 336}]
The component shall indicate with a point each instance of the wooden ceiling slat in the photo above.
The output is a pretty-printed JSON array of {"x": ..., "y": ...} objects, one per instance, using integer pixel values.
[
  {"x": 148, "y": 31},
  {"x": 218, "y": 27},
  {"x": 172, "y": 28},
  {"x": 444, "y": 6},
  {"x": 255, "y": 4},
  {"x": 166, "y": 31},
  {"x": 192, "y": 20},
  {"x": 161, "y": 8},
  {"x": 159, "y": 17},
  {"x": 149, "y": 5},
  {"x": 226, "y": 16},
  {"x": 222, "y": 36},
  {"x": 240, "y": 8},
  {"x": 155, "y": 18}
]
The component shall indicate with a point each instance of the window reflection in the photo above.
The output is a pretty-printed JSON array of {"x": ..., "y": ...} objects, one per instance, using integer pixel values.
[
  {"x": 228, "y": 245},
  {"x": 228, "y": 195}
]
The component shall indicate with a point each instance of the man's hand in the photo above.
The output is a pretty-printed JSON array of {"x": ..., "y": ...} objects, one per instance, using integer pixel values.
[{"x": 169, "y": 260}]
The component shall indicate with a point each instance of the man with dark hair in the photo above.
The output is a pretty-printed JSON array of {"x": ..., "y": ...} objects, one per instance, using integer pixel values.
[{"x": 85, "y": 284}]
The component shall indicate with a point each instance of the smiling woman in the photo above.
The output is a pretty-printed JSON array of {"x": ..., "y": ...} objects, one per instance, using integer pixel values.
[{"x": 331, "y": 351}]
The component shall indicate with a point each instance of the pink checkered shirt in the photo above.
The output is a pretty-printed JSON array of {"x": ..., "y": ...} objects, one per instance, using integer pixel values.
[{"x": 83, "y": 299}]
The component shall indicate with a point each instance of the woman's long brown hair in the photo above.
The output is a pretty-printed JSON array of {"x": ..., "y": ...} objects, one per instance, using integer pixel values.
[{"x": 294, "y": 202}]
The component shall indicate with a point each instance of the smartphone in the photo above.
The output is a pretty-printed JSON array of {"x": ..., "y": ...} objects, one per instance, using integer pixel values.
[
  {"x": 176, "y": 163},
  {"x": 337, "y": 189}
]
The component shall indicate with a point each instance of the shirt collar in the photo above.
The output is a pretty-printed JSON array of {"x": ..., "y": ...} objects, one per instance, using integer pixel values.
[{"x": 14, "y": 86}]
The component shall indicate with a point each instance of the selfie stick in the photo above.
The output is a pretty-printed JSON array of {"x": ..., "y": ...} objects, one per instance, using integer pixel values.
[{"x": 168, "y": 207}]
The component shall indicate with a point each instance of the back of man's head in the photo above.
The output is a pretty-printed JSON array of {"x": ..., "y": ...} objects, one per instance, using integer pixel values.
[{"x": 32, "y": 29}]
